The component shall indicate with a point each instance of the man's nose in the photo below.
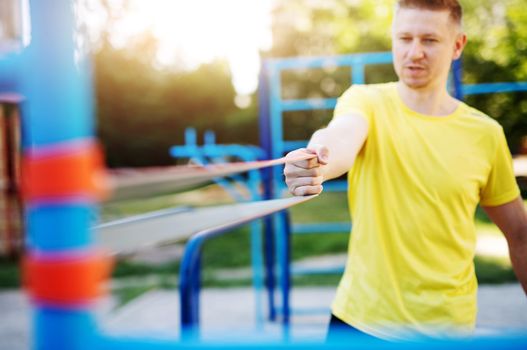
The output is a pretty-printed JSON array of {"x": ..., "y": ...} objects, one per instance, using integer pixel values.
[{"x": 416, "y": 50}]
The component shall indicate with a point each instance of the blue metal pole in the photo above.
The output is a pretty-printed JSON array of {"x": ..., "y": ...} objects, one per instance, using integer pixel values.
[
  {"x": 10, "y": 73},
  {"x": 268, "y": 184},
  {"x": 55, "y": 79},
  {"x": 457, "y": 76},
  {"x": 286, "y": 270},
  {"x": 189, "y": 288}
]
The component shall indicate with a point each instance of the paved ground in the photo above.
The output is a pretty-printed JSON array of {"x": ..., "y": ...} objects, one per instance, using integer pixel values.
[{"x": 230, "y": 313}]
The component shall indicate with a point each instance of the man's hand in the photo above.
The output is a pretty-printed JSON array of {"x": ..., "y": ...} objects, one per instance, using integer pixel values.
[
  {"x": 305, "y": 177},
  {"x": 342, "y": 138}
]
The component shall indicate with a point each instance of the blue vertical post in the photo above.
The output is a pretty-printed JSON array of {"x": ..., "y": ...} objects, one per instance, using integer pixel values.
[
  {"x": 9, "y": 72},
  {"x": 286, "y": 271},
  {"x": 358, "y": 75},
  {"x": 277, "y": 150},
  {"x": 57, "y": 115},
  {"x": 457, "y": 77},
  {"x": 268, "y": 184},
  {"x": 189, "y": 290}
]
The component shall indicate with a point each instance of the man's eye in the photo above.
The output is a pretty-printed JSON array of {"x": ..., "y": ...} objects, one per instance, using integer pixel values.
[
  {"x": 405, "y": 38},
  {"x": 430, "y": 40}
]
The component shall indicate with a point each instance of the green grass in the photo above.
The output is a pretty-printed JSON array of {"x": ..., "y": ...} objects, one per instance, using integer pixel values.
[
  {"x": 126, "y": 268},
  {"x": 493, "y": 270},
  {"x": 126, "y": 294}
]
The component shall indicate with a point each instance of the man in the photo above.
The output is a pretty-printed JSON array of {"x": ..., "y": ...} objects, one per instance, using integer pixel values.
[{"x": 419, "y": 163}]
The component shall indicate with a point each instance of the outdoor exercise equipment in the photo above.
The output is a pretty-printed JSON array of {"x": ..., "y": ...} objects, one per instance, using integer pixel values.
[{"x": 64, "y": 269}]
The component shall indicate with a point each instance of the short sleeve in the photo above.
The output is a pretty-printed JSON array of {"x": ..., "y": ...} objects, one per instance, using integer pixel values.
[
  {"x": 355, "y": 100},
  {"x": 501, "y": 186}
]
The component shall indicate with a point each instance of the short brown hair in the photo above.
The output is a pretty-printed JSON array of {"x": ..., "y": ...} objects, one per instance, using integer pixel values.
[{"x": 452, "y": 6}]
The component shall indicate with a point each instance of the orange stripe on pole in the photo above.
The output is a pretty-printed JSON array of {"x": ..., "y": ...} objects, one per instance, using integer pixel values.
[
  {"x": 66, "y": 280},
  {"x": 79, "y": 172}
]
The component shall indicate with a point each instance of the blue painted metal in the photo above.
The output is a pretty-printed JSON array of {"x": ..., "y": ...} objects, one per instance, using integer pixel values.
[
  {"x": 10, "y": 72},
  {"x": 55, "y": 79},
  {"x": 268, "y": 188},
  {"x": 307, "y": 104},
  {"x": 490, "y": 88},
  {"x": 457, "y": 79},
  {"x": 285, "y": 275},
  {"x": 55, "y": 227},
  {"x": 344, "y": 342},
  {"x": 59, "y": 329},
  {"x": 358, "y": 75},
  {"x": 292, "y": 145},
  {"x": 189, "y": 284},
  {"x": 211, "y": 152},
  {"x": 292, "y": 63},
  {"x": 214, "y": 153}
]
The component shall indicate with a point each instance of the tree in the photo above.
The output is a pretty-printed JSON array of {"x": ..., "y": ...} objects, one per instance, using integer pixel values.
[{"x": 496, "y": 52}]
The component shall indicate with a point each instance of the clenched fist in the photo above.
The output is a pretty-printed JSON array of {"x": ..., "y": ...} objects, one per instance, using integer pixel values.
[{"x": 304, "y": 177}]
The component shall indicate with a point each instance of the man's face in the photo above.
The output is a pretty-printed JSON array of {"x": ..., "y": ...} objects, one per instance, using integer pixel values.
[{"x": 424, "y": 43}]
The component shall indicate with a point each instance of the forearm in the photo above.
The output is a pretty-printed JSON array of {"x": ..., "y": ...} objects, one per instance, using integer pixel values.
[
  {"x": 518, "y": 255},
  {"x": 344, "y": 139}
]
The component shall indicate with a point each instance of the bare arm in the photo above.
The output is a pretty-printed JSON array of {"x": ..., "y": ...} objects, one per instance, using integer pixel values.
[
  {"x": 511, "y": 218},
  {"x": 336, "y": 147}
]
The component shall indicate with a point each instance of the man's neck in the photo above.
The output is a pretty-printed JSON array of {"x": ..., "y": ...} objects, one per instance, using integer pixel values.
[{"x": 433, "y": 102}]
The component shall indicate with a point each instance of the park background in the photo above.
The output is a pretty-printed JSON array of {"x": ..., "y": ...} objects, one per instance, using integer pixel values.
[{"x": 143, "y": 105}]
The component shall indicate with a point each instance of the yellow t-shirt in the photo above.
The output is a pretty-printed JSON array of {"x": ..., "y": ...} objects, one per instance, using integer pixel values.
[{"x": 413, "y": 191}]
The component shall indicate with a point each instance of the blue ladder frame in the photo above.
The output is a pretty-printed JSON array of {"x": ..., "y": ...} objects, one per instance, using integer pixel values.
[{"x": 211, "y": 152}]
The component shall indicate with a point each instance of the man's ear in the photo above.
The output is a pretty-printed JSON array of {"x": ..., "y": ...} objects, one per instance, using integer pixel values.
[{"x": 459, "y": 45}]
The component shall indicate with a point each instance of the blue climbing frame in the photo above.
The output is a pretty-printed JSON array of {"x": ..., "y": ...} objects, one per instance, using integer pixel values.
[
  {"x": 271, "y": 120},
  {"x": 211, "y": 152}
]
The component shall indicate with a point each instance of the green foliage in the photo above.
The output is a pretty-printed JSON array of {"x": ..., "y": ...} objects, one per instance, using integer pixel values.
[
  {"x": 496, "y": 52},
  {"x": 328, "y": 27},
  {"x": 142, "y": 110}
]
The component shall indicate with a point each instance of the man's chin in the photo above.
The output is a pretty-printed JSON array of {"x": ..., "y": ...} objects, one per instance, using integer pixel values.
[{"x": 415, "y": 83}]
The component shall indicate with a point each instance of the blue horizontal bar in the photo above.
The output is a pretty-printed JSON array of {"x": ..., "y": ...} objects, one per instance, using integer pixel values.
[
  {"x": 308, "y": 104},
  {"x": 292, "y": 145},
  {"x": 489, "y": 88},
  {"x": 331, "y": 186},
  {"x": 336, "y": 186},
  {"x": 320, "y": 227},
  {"x": 301, "y": 271},
  {"x": 329, "y": 61}
]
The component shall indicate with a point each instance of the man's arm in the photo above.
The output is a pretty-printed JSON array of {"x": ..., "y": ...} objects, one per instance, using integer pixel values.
[
  {"x": 336, "y": 147},
  {"x": 511, "y": 218}
]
